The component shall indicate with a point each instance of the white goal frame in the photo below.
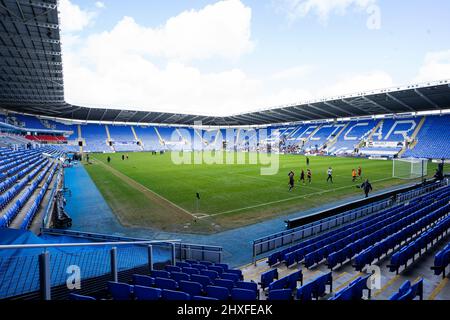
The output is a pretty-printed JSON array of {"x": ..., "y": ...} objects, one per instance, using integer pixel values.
[{"x": 409, "y": 168}]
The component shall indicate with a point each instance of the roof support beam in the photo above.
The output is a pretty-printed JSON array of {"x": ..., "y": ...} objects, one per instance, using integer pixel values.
[
  {"x": 337, "y": 108},
  {"x": 312, "y": 115},
  {"x": 332, "y": 114},
  {"x": 364, "y": 112},
  {"x": 400, "y": 102},
  {"x": 426, "y": 99},
  {"x": 376, "y": 104},
  {"x": 295, "y": 114}
]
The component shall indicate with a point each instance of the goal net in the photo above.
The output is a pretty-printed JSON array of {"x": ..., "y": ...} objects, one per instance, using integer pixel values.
[{"x": 409, "y": 168}]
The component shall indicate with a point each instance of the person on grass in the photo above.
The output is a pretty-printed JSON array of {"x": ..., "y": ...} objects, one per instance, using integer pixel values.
[
  {"x": 309, "y": 175},
  {"x": 330, "y": 175},
  {"x": 302, "y": 176},
  {"x": 353, "y": 175},
  {"x": 291, "y": 180}
]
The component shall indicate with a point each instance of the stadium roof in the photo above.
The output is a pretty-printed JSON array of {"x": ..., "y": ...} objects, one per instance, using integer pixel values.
[{"x": 31, "y": 81}]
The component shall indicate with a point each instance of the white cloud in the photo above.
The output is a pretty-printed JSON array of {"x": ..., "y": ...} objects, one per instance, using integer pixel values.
[
  {"x": 100, "y": 5},
  {"x": 293, "y": 72},
  {"x": 322, "y": 8},
  {"x": 72, "y": 17},
  {"x": 118, "y": 69},
  {"x": 219, "y": 30},
  {"x": 141, "y": 68},
  {"x": 435, "y": 67}
]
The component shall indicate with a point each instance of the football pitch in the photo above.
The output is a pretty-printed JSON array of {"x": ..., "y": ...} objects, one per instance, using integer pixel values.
[{"x": 150, "y": 191}]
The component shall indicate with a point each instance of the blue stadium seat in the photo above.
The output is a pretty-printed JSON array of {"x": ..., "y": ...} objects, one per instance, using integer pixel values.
[
  {"x": 201, "y": 298},
  {"x": 120, "y": 291},
  {"x": 183, "y": 264},
  {"x": 170, "y": 268},
  {"x": 229, "y": 284},
  {"x": 174, "y": 295},
  {"x": 218, "y": 269},
  {"x": 203, "y": 280},
  {"x": 192, "y": 288},
  {"x": 199, "y": 267},
  {"x": 229, "y": 276},
  {"x": 78, "y": 297},
  {"x": 243, "y": 295},
  {"x": 178, "y": 276},
  {"x": 146, "y": 293},
  {"x": 141, "y": 280},
  {"x": 219, "y": 293},
  {"x": 211, "y": 274},
  {"x": 168, "y": 284},
  {"x": 160, "y": 274},
  {"x": 282, "y": 294},
  {"x": 190, "y": 271},
  {"x": 409, "y": 292},
  {"x": 247, "y": 285},
  {"x": 441, "y": 261},
  {"x": 268, "y": 277}
]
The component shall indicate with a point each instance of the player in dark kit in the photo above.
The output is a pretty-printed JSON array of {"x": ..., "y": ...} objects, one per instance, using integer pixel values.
[
  {"x": 359, "y": 173},
  {"x": 291, "y": 180},
  {"x": 309, "y": 175},
  {"x": 302, "y": 177},
  {"x": 367, "y": 187},
  {"x": 307, "y": 161}
]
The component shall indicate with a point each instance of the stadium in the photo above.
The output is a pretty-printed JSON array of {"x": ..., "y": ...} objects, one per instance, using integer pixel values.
[{"x": 345, "y": 197}]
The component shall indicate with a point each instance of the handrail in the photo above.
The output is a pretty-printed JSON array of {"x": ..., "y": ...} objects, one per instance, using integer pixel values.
[
  {"x": 95, "y": 244},
  {"x": 52, "y": 197}
]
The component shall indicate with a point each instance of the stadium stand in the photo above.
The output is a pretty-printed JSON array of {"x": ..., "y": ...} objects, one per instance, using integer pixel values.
[
  {"x": 96, "y": 138},
  {"x": 123, "y": 139},
  {"x": 351, "y": 137},
  {"x": 433, "y": 139}
]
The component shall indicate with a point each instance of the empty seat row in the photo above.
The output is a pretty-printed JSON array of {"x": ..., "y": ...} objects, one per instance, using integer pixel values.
[
  {"x": 315, "y": 288},
  {"x": 316, "y": 249},
  {"x": 201, "y": 265},
  {"x": 187, "y": 291},
  {"x": 355, "y": 290},
  {"x": 30, "y": 214},
  {"x": 407, "y": 252},
  {"x": 441, "y": 261},
  {"x": 408, "y": 291},
  {"x": 192, "y": 284},
  {"x": 12, "y": 212},
  {"x": 393, "y": 235},
  {"x": 12, "y": 192}
]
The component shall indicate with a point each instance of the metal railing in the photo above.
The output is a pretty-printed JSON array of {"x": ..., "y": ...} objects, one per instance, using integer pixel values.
[
  {"x": 39, "y": 269},
  {"x": 289, "y": 237},
  {"x": 47, "y": 213}
]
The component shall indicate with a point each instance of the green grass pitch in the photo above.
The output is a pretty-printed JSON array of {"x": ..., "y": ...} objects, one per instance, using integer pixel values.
[{"x": 151, "y": 191}]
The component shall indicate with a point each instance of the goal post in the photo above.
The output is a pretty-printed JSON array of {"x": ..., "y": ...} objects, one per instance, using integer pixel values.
[{"x": 409, "y": 168}]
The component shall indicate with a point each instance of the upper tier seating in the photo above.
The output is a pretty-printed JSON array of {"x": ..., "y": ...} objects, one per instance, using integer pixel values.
[
  {"x": 352, "y": 135},
  {"x": 95, "y": 137},
  {"x": 433, "y": 140}
]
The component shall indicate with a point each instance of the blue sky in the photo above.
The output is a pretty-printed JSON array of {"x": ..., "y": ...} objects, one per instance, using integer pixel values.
[{"x": 231, "y": 56}]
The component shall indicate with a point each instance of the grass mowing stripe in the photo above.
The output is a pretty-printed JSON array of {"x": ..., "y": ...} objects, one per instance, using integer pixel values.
[
  {"x": 288, "y": 199},
  {"x": 236, "y": 194}
]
